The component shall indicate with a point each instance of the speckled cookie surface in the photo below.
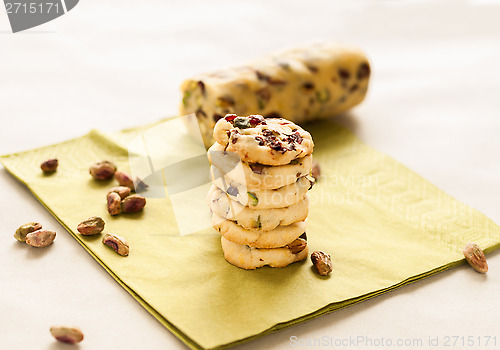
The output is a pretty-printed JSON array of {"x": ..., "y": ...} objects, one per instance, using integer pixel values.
[
  {"x": 270, "y": 141},
  {"x": 250, "y": 258},
  {"x": 258, "y": 175},
  {"x": 257, "y": 198},
  {"x": 279, "y": 237},
  {"x": 265, "y": 219}
]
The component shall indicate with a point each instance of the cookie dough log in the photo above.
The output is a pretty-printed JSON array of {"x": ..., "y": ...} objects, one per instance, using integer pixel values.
[{"x": 303, "y": 84}]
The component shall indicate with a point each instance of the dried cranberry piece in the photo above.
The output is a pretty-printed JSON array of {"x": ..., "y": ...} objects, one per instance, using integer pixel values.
[
  {"x": 308, "y": 86},
  {"x": 200, "y": 113},
  {"x": 260, "y": 140},
  {"x": 276, "y": 145},
  {"x": 261, "y": 76},
  {"x": 234, "y": 135},
  {"x": 294, "y": 138},
  {"x": 363, "y": 71},
  {"x": 230, "y": 117},
  {"x": 312, "y": 68},
  {"x": 344, "y": 73},
  {"x": 201, "y": 85},
  {"x": 298, "y": 138},
  {"x": 267, "y": 132},
  {"x": 270, "y": 80},
  {"x": 256, "y": 119}
]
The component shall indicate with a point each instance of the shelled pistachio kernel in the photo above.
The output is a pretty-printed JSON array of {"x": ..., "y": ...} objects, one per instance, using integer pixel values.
[
  {"x": 133, "y": 203},
  {"x": 322, "y": 262},
  {"x": 121, "y": 190},
  {"x": 297, "y": 246},
  {"x": 50, "y": 165},
  {"x": 69, "y": 335},
  {"x": 40, "y": 238},
  {"x": 91, "y": 226},
  {"x": 117, "y": 243},
  {"x": 22, "y": 231},
  {"x": 103, "y": 170},
  {"x": 114, "y": 203},
  {"x": 124, "y": 179},
  {"x": 475, "y": 257}
]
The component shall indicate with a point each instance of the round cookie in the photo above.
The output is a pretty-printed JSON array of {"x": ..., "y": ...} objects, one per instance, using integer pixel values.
[
  {"x": 249, "y": 258},
  {"x": 279, "y": 237},
  {"x": 264, "y": 219},
  {"x": 262, "y": 199},
  {"x": 258, "y": 175},
  {"x": 271, "y": 141}
]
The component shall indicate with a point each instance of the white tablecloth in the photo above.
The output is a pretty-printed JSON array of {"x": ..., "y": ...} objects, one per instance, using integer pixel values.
[{"x": 433, "y": 105}]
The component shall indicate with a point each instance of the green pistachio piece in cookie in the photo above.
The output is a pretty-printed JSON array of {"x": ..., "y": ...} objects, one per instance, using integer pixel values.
[
  {"x": 241, "y": 122},
  {"x": 252, "y": 198},
  {"x": 185, "y": 98},
  {"x": 257, "y": 223},
  {"x": 323, "y": 95}
]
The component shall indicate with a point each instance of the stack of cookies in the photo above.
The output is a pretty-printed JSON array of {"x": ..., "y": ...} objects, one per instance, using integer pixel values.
[{"x": 261, "y": 175}]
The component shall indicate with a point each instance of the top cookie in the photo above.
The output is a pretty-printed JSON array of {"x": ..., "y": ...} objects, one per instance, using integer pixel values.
[{"x": 270, "y": 141}]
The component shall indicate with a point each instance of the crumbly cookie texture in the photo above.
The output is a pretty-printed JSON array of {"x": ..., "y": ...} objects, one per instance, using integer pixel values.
[
  {"x": 315, "y": 81},
  {"x": 258, "y": 175},
  {"x": 255, "y": 219},
  {"x": 271, "y": 141},
  {"x": 256, "y": 198},
  {"x": 279, "y": 237},
  {"x": 249, "y": 258}
]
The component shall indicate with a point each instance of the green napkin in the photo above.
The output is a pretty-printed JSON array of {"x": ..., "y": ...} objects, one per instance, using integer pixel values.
[{"x": 384, "y": 226}]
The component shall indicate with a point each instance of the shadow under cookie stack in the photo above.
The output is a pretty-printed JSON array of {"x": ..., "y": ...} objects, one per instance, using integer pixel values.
[{"x": 261, "y": 175}]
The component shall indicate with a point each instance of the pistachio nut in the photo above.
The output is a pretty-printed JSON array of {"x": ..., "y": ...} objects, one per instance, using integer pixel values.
[
  {"x": 117, "y": 243},
  {"x": 124, "y": 179},
  {"x": 40, "y": 238},
  {"x": 91, "y": 226},
  {"x": 322, "y": 262},
  {"x": 133, "y": 203},
  {"x": 297, "y": 246},
  {"x": 114, "y": 203},
  {"x": 22, "y": 231},
  {"x": 103, "y": 170},
  {"x": 49, "y": 166},
  {"x": 475, "y": 257},
  {"x": 121, "y": 190},
  {"x": 69, "y": 335}
]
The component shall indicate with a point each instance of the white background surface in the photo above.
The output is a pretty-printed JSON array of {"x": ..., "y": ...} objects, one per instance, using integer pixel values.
[{"x": 433, "y": 105}]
